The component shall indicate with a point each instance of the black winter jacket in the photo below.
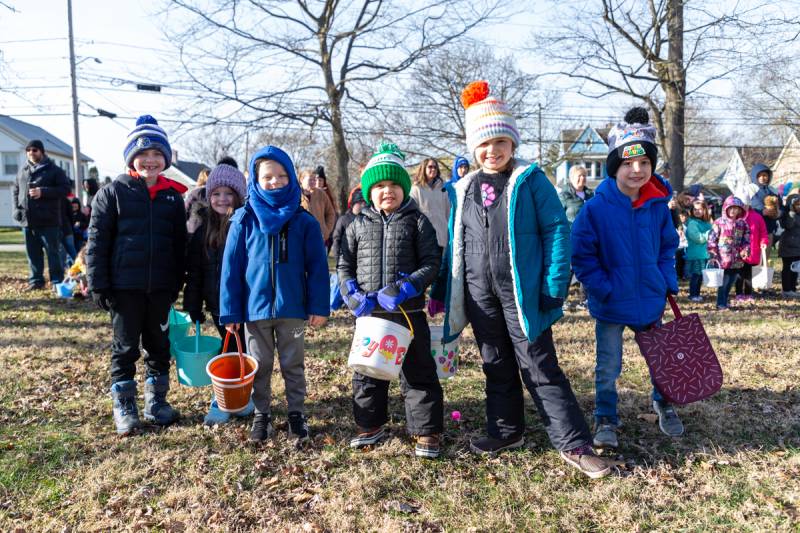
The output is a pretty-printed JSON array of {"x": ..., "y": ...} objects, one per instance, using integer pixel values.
[
  {"x": 136, "y": 243},
  {"x": 203, "y": 272},
  {"x": 377, "y": 251},
  {"x": 338, "y": 232},
  {"x": 789, "y": 243},
  {"x": 45, "y": 211}
]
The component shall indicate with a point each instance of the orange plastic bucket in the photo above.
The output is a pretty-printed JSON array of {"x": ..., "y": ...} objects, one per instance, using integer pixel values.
[{"x": 232, "y": 376}]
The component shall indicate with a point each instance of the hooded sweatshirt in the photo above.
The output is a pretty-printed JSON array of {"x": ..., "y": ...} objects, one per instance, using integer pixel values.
[
  {"x": 757, "y": 200},
  {"x": 729, "y": 240},
  {"x": 459, "y": 162}
]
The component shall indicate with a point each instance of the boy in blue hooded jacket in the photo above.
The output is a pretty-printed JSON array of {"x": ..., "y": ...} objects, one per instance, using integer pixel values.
[
  {"x": 623, "y": 251},
  {"x": 274, "y": 277}
]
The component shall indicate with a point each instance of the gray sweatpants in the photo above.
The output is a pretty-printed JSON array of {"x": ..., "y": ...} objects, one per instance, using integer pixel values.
[{"x": 288, "y": 334}]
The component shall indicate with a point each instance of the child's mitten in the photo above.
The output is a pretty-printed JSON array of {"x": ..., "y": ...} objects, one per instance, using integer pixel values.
[{"x": 395, "y": 294}]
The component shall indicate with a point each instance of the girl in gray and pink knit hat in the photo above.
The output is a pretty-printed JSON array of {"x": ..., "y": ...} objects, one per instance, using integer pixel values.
[{"x": 226, "y": 190}]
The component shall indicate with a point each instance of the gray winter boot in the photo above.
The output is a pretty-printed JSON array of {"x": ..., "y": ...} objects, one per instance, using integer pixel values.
[
  {"x": 156, "y": 408},
  {"x": 126, "y": 415}
]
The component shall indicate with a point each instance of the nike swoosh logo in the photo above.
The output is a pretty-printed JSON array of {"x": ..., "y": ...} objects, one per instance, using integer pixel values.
[
  {"x": 298, "y": 334},
  {"x": 164, "y": 326}
]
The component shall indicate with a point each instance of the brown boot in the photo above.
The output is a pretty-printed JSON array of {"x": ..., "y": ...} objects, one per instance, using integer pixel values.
[{"x": 428, "y": 446}]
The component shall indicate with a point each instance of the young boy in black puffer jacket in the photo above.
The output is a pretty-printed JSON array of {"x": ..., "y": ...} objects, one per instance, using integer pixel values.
[
  {"x": 135, "y": 265},
  {"x": 388, "y": 257}
]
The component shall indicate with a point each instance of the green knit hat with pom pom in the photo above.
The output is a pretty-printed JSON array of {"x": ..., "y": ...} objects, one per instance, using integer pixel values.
[{"x": 388, "y": 163}]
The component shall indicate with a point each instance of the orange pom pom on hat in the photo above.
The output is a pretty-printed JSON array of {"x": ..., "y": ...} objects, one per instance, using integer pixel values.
[{"x": 486, "y": 117}]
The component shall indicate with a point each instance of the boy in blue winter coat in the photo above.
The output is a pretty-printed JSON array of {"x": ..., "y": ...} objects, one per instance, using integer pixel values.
[
  {"x": 623, "y": 251},
  {"x": 274, "y": 277}
]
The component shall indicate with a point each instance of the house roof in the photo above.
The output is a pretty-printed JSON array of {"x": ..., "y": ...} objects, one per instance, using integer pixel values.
[
  {"x": 569, "y": 136},
  {"x": 750, "y": 155},
  {"x": 26, "y": 132},
  {"x": 190, "y": 168}
]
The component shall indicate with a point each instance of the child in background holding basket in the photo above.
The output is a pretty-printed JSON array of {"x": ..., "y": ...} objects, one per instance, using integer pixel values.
[
  {"x": 506, "y": 273},
  {"x": 274, "y": 277},
  {"x": 389, "y": 256},
  {"x": 624, "y": 246},
  {"x": 697, "y": 230},
  {"x": 135, "y": 265},
  {"x": 225, "y": 191},
  {"x": 729, "y": 245}
]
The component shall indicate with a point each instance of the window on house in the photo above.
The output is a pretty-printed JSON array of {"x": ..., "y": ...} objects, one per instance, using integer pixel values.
[{"x": 10, "y": 163}]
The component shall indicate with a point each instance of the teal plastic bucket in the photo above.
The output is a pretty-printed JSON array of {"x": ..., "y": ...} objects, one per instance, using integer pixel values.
[
  {"x": 179, "y": 324},
  {"x": 192, "y": 354}
]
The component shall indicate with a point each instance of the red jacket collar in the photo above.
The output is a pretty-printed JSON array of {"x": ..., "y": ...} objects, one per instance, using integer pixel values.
[
  {"x": 162, "y": 183},
  {"x": 652, "y": 189}
]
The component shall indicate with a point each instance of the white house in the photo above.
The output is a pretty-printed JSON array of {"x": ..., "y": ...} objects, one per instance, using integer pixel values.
[{"x": 14, "y": 136}]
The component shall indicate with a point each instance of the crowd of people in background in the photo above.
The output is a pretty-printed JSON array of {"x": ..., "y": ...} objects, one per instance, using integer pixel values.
[{"x": 492, "y": 243}]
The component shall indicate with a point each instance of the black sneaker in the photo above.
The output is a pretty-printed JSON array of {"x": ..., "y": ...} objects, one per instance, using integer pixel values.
[
  {"x": 490, "y": 445},
  {"x": 298, "y": 426},
  {"x": 262, "y": 428}
]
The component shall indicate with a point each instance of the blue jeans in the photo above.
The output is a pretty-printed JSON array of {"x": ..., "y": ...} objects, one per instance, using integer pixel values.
[
  {"x": 694, "y": 284},
  {"x": 728, "y": 279},
  {"x": 607, "y": 369},
  {"x": 39, "y": 241},
  {"x": 68, "y": 242}
]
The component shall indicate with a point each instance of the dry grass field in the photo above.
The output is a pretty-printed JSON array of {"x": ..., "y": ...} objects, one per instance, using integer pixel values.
[{"x": 62, "y": 468}]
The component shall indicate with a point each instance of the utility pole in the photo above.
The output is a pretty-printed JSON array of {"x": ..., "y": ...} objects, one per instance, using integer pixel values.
[
  {"x": 76, "y": 145},
  {"x": 540, "y": 134}
]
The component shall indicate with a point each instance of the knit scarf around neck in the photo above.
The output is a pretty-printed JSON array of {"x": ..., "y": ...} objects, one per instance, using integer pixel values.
[{"x": 273, "y": 208}]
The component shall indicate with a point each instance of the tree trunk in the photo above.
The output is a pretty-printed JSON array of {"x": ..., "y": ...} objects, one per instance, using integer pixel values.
[
  {"x": 342, "y": 179},
  {"x": 675, "y": 93}
]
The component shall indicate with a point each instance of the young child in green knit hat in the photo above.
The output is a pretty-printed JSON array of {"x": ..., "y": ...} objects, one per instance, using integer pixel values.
[{"x": 389, "y": 256}]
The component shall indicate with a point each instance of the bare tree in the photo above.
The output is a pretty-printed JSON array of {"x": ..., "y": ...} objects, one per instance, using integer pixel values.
[
  {"x": 268, "y": 62},
  {"x": 660, "y": 52},
  {"x": 433, "y": 119}
]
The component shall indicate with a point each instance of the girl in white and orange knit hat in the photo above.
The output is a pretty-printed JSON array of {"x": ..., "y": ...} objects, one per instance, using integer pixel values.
[{"x": 507, "y": 275}]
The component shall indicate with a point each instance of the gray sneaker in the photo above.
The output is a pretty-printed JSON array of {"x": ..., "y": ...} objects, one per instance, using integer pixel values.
[
  {"x": 605, "y": 433},
  {"x": 584, "y": 459},
  {"x": 668, "y": 419}
]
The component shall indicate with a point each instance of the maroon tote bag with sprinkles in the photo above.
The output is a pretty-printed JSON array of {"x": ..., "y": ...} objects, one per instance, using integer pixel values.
[{"x": 682, "y": 361}]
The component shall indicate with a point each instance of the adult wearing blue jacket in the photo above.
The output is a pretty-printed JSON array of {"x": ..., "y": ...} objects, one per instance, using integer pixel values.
[{"x": 274, "y": 277}]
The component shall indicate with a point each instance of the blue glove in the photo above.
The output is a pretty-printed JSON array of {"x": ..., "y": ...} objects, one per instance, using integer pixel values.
[
  {"x": 359, "y": 302},
  {"x": 395, "y": 294}
]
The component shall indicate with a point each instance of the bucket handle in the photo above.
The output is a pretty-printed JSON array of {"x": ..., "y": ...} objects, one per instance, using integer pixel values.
[
  {"x": 407, "y": 320},
  {"x": 239, "y": 347},
  {"x": 197, "y": 336}
]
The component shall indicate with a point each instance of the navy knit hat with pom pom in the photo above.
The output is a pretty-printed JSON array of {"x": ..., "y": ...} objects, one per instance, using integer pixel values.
[
  {"x": 632, "y": 138},
  {"x": 145, "y": 136}
]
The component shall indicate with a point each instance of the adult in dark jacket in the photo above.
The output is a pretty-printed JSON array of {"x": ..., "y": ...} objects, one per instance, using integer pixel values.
[
  {"x": 576, "y": 193},
  {"x": 135, "y": 266},
  {"x": 37, "y": 195},
  {"x": 789, "y": 245}
]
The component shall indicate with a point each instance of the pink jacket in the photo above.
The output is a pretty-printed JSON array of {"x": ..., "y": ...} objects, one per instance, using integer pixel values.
[{"x": 758, "y": 235}]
